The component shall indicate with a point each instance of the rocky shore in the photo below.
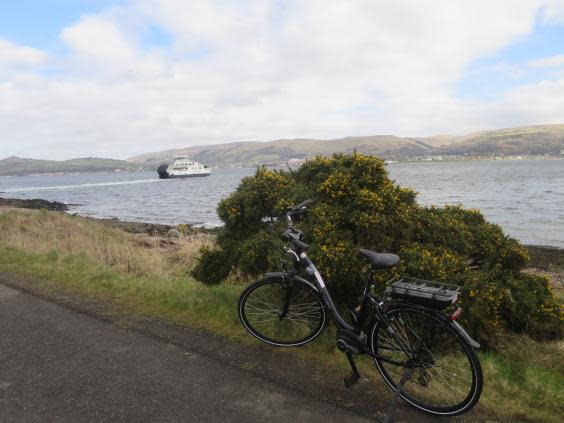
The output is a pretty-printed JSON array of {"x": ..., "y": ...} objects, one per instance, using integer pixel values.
[
  {"x": 155, "y": 229},
  {"x": 36, "y": 204},
  {"x": 545, "y": 260}
]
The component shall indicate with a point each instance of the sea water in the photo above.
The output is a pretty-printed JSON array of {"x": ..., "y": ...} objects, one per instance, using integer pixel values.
[{"x": 525, "y": 197}]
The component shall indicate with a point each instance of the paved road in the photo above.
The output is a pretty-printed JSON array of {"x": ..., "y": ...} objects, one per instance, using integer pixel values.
[{"x": 61, "y": 366}]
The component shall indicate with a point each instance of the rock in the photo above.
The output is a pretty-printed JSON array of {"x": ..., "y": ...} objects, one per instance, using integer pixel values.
[
  {"x": 173, "y": 233},
  {"x": 36, "y": 204}
]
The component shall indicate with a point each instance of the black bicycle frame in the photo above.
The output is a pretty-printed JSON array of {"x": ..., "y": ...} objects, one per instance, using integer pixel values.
[
  {"x": 368, "y": 303},
  {"x": 320, "y": 284},
  {"x": 301, "y": 257}
]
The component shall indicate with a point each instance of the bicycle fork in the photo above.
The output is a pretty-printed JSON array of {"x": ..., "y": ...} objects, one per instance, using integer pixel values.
[{"x": 288, "y": 285}]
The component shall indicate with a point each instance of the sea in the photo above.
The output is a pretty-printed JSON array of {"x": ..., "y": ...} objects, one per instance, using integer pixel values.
[{"x": 525, "y": 197}]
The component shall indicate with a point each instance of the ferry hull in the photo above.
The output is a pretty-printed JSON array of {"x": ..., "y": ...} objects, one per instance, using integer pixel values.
[{"x": 166, "y": 175}]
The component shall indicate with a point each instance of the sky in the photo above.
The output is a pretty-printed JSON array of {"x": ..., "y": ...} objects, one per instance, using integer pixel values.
[{"x": 103, "y": 78}]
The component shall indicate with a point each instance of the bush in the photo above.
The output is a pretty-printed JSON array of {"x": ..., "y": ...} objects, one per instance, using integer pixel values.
[
  {"x": 212, "y": 267},
  {"x": 357, "y": 205}
]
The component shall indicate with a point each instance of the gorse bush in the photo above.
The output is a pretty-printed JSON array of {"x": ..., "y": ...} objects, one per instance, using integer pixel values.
[{"x": 357, "y": 205}]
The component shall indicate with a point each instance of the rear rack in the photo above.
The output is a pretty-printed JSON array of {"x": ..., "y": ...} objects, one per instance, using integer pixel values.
[{"x": 419, "y": 291}]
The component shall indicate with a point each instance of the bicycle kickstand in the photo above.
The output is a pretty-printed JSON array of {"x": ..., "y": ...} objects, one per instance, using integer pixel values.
[
  {"x": 355, "y": 375},
  {"x": 392, "y": 409}
]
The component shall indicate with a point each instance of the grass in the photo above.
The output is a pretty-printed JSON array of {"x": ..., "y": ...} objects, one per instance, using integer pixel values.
[
  {"x": 144, "y": 276},
  {"x": 175, "y": 298},
  {"x": 525, "y": 380},
  {"x": 44, "y": 232}
]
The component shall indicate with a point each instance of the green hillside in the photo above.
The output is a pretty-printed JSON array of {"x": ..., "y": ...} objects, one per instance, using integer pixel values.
[
  {"x": 250, "y": 153},
  {"x": 22, "y": 166},
  {"x": 533, "y": 140}
]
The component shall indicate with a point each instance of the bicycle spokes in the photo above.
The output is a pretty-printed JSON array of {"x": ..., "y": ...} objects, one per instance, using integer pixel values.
[
  {"x": 442, "y": 372},
  {"x": 282, "y": 315}
]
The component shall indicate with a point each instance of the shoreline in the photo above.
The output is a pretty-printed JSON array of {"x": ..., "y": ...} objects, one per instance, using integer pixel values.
[
  {"x": 542, "y": 256},
  {"x": 438, "y": 158},
  {"x": 152, "y": 229},
  {"x": 35, "y": 204}
]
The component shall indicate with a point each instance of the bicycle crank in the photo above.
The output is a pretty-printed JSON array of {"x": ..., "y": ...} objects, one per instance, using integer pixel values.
[{"x": 348, "y": 341}]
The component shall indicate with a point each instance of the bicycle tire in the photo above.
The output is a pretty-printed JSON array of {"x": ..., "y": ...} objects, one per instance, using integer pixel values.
[
  {"x": 261, "y": 307},
  {"x": 446, "y": 375}
]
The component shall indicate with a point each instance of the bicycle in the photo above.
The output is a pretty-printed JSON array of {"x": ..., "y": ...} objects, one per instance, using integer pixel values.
[{"x": 420, "y": 350}]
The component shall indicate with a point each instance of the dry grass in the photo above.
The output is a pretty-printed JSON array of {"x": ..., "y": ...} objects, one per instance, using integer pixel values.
[{"x": 50, "y": 232}]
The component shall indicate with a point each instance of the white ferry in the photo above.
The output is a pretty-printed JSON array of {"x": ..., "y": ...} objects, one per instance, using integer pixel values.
[{"x": 183, "y": 167}]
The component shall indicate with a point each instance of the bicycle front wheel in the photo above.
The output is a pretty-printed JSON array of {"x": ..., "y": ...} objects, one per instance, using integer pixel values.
[
  {"x": 444, "y": 376},
  {"x": 282, "y": 314}
]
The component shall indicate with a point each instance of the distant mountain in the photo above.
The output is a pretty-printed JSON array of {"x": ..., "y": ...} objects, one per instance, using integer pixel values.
[
  {"x": 21, "y": 166},
  {"x": 250, "y": 153},
  {"x": 533, "y": 140},
  {"x": 530, "y": 140}
]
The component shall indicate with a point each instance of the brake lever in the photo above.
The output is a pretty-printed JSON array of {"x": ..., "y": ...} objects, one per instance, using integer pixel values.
[{"x": 291, "y": 252}]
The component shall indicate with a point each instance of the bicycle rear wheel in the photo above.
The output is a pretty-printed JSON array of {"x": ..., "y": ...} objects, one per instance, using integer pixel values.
[
  {"x": 445, "y": 373},
  {"x": 284, "y": 315}
]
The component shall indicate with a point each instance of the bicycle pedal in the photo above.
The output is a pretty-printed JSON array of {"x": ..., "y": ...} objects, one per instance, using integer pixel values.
[{"x": 351, "y": 380}]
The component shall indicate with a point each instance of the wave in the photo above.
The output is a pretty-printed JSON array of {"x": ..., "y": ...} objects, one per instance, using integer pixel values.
[{"x": 80, "y": 186}]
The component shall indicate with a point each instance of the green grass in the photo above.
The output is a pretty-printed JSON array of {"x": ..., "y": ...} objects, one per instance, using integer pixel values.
[
  {"x": 524, "y": 380},
  {"x": 179, "y": 299}
]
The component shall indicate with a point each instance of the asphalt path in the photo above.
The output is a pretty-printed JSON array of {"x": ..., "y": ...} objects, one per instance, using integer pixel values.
[{"x": 57, "y": 365}]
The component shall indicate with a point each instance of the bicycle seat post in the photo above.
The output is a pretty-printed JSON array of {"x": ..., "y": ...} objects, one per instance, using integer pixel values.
[{"x": 360, "y": 314}]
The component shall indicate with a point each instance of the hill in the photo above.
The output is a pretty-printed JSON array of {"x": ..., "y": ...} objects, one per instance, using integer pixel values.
[
  {"x": 532, "y": 140},
  {"x": 529, "y": 140},
  {"x": 283, "y": 150},
  {"x": 524, "y": 141},
  {"x": 22, "y": 166}
]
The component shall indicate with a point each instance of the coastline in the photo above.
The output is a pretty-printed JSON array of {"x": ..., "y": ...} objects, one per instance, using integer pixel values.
[
  {"x": 155, "y": 229},
  {"x": 35, "y": 204},
  {"x": 543, "y": 257},
  {"x": 438, "y": 158}
]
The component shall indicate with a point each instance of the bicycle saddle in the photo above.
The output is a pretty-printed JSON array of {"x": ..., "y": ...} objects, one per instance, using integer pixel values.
[{"x": 380, "y": 260}]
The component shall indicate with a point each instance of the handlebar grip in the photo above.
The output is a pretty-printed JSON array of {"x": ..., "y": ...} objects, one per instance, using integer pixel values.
[
  {"x": 301, "y": 245},
  {"x": 302, "y": 205}
]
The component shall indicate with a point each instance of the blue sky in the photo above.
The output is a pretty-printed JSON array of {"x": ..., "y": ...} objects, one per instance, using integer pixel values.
[
  {"x": 37, "y": 23},
  {"x": 491, "y": 75},
  {"x": 116, "y": 78}
]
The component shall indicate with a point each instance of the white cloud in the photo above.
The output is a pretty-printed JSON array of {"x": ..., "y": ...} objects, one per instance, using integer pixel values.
[
  {"x": 98, "y": 39},
  {"x": 14, "y": 55},
  {"x": 548, "y": 62},
  {"x": 553, "y": 11},
  {"x": 264, "y": 70}
]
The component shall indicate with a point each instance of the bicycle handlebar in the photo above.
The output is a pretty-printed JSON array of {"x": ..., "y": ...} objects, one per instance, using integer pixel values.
[
  {"x": 301, "y": 207},
  {"x": 295, "y": 235},
  {"x": 298, "y": 209}
]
